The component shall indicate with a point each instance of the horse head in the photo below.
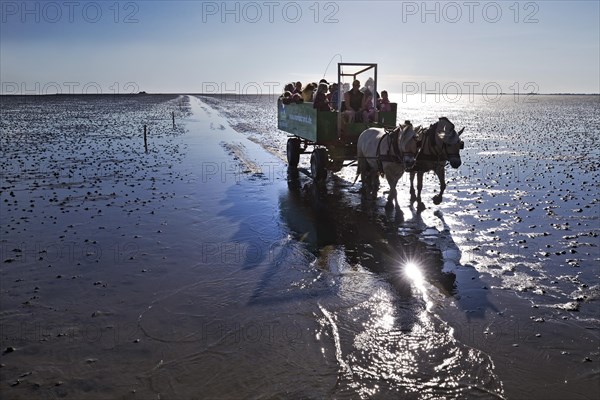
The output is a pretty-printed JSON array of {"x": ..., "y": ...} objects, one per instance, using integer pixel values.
[
  {"x": 451, "y": 142},
  {"x": 407, "y": 143}
]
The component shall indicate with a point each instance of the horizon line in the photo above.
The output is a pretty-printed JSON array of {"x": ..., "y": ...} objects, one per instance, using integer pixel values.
[{"x": 271, "y": 94}]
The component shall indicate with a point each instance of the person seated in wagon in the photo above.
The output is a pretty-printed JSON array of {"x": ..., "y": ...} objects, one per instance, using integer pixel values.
[
  {"x": 384, "y": 103},
  {"x": 369, "y": 112},
  {"x": 354, "y": 102},
  {"x": 369, "y": 109},
  {"x": 333, "y": 96},
  {"x": 321, "y": 103}
]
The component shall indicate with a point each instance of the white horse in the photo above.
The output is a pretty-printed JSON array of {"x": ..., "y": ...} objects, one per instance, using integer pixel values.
[{"x": 385, "y": 153}]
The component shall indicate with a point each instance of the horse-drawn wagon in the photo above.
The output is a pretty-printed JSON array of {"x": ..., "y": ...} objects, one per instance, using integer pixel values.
[
  {"x": 329, "y": 139},
  {"x": 337, "y": 142}
]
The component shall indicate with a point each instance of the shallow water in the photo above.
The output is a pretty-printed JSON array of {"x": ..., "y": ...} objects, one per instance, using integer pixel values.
[
  {"x": 518, "y": 227},
  {"x": 202, "y": 269},
  {"x": 527, "y": 188}
]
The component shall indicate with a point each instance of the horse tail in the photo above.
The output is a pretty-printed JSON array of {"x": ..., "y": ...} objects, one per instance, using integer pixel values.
[
  {"x": 359, "y": 167},
  {"x": 357, "y": 172}
]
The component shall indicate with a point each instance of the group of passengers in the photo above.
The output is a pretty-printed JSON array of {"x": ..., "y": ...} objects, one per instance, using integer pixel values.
[
  {"x": 295, "y": 93},
  {"x": 358, "y": 104}
]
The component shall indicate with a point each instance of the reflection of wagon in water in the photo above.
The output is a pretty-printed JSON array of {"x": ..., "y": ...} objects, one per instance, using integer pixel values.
[{"x": 332, "y": 139}]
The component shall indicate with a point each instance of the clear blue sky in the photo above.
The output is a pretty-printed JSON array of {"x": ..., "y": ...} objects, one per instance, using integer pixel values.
[{"x": 193, "y": 46}]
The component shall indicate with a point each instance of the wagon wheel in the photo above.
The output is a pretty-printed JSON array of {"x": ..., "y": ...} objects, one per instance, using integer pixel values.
[
  {"x": 293, "y": 152},
  {"x": 319, "y": 162}
]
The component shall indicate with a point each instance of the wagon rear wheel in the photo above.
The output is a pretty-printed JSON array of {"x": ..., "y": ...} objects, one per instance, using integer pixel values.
[
  {"x": 319, "y": 162},
  {"x": 293, "y": 152}
]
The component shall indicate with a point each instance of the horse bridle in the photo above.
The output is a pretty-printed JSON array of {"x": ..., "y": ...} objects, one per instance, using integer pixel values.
[{"x": 428, "y": 137}]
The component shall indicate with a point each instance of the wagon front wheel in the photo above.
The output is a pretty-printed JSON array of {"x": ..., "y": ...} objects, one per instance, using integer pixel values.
[
  {"x": 293, "y": 152},
  {"x": 318, "y": 164}
]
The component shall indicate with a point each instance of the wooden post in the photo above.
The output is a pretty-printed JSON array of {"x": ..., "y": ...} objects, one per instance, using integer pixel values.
[
  {"x": 173, "y": 114},
  {"x": 145, "y": 140}
]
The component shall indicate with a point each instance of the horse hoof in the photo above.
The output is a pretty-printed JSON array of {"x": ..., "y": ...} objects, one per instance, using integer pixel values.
[
  {"x": 437, "y": 200},
  {"x": 399, "y": 216},
  {"x": 421, "y": 206}
]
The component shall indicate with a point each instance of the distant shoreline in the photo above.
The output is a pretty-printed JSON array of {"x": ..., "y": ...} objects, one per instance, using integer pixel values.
[{"x": 255, "y": 94}]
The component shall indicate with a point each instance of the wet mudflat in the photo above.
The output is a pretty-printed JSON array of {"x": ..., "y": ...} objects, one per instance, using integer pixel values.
[
  {"x": 203, "y": 269},
  {"x": 518, "y": 228}
]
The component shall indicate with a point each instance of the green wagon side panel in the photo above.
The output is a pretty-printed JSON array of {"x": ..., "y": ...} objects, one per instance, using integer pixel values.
[
  {"x": 388, "y": 118},
  {"x": 326, "y": 126},
  {"x": 298, "y": 119},
  {"x": 304, "y": 121},
  {"x": 320, "y": 127}
]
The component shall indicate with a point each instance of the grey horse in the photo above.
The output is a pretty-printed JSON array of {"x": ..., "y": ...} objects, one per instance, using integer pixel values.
[
  {"x": 440, "y": 143},
  {"x": 385, "y": 153}
]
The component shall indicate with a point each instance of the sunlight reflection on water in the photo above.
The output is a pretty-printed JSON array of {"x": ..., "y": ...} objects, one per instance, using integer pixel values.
[{"x": 385, "y": 348}]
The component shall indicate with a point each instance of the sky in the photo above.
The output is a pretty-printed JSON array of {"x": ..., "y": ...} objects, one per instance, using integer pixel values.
[{"x": 257, "y": 47}]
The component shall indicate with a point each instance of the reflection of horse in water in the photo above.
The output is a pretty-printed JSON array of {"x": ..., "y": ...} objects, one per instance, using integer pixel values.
[{"x": 324, "y": 220}]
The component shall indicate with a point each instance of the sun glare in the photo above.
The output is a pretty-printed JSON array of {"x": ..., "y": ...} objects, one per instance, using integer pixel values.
[{"x": 413, "y": 272}]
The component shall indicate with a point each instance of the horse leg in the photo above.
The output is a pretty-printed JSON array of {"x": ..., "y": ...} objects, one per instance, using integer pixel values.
[
  {"x": 413, "y": 196},
  {"x": 374, "y": 182},
  {"x": 393, "y": 174},
  {"x": 392, "y": 196},
  {"x": 441, "y": 174},
  {"x": 420, "y": 205},
  {"x": 419, "y": 185},
  {"x": 363, "y": 170}
]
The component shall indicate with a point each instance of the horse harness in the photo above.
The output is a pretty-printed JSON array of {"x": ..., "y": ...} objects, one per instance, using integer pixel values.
[
  {"x": 396, "y": 155},
  {"x": 433, "y": 155}
]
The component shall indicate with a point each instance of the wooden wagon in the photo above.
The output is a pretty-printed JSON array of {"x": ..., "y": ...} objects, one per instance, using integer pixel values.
[{"x": 324, "y": 134}]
